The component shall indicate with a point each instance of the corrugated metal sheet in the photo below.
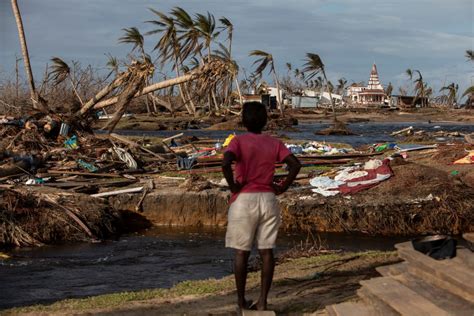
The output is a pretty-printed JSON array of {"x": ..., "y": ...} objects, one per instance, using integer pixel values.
[{"x": 304, "y": 102}]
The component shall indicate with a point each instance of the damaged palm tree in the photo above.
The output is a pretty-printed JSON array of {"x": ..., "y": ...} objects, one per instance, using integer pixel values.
[
  {"x": 313, "y": 66},
  {"x": 38, "y": 102},
  {"x": 135, "y": 80},
  {"x": 205, "y": 77},
  {"x": 61, "y": 71}
]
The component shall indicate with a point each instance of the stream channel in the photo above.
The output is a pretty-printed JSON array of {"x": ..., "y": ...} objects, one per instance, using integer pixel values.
[
  {"x": 162, "y": 257},
  {"x": 157, "y": 258}
]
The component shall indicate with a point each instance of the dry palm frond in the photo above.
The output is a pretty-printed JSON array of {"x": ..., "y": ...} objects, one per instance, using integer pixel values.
[{"x": 135, "y": 80}]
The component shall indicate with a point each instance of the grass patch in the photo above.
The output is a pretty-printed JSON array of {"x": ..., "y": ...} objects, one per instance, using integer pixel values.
[{"x": 292, "y": 268}]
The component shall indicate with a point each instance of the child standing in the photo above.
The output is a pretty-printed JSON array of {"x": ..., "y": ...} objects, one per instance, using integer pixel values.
[{"x": 254, "y": 214}]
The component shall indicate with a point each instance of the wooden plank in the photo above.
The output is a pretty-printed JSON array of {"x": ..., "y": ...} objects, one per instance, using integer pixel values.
[
  {"x": 117, "y": 192},
  {"x": 248, "y": 312},
  {"x": 392, "y": 269},
  {"x": 79, "y": 173},
  {"x": 464, "y": 256},
  {"x": 379, "y": 306},
  {"x": 172, "y": 137},
  {"x": 350, "y": 309},
  {"x": 448, "y": 274},
  {"x": 445, "y": 300},
  {"x": 469, "y": 237},
  {"x": 101, "y": 182},
  {"x": 400, "y": 298}
]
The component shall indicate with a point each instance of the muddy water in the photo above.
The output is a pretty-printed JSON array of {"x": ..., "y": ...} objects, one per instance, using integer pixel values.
[
  {"x": 367, "y": 133},
  {"x": 159, "y": 258}
]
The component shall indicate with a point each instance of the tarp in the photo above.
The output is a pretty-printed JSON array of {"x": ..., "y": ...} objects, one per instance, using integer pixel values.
[
  {"x": 351, "y": 180},
  {"x": 469, "y": 159}
]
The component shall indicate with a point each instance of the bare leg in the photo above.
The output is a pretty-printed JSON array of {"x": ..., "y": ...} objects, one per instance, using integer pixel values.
[
  {"x": 268, "y": 266},
  {"x": 240, "y": 271}
]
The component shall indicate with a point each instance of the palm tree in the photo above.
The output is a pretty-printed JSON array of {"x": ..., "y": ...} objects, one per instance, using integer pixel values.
[
  {"x": 170, "y": 48},
  {"x": 133, "y": 36},
  {"x": 38, "y": 102},
  {"x": 263, "y": 60},
  {"x": 470, "y": 55},
  {"x": 419, "y": 86},
  {"x": 229, "y": 27},
  {"x": 389, "y": 90},
  {"x": 452, "y": 90},
  {"x": 60, "y": 71},
  {"x": 314, "y": 65},
  {"x": 190, "y": 35},
  {"x": 224, "y": 55},
  {"x": 206, "y": 25},
  {"x": 341, "y": 85},
  {"x": 469, "y": 91}
]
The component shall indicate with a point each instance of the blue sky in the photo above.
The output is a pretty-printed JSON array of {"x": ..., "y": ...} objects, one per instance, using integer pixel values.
[{"x": 429, "y": 35}]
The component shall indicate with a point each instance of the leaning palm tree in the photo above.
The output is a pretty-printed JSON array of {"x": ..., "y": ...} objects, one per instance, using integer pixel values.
[
  {"x": 133, "y": 36},
  {"x": 224, "y": 55},
  {"x": 171, "y": 49},
  {"x": 419, "y": 86},
  {"x": 314, "y": 65},
  {"x": 38, "y": 102},
  {"x": 206, "y": 25},
  {"x": 452, "y": 90},
  {"x": 470, "y": 90},
  {"x": 470, "y": 55},
  {"x": 61, "y": 71},
  {"x": 189, "y": 34},
  {"x": 229, "y": 27},
  {"x": 263, "y": 60}
]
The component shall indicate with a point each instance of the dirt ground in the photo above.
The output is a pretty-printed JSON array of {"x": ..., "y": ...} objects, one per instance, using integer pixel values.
[{"x": 296, "y": 290}]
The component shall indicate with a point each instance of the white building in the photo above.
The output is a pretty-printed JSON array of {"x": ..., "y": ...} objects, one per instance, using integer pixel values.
[{"x": 372, "y": 94}]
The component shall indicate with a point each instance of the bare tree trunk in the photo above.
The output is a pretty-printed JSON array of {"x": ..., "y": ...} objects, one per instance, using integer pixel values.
[
  {"x": 17, "y": 79},
  {"x": 38, "y": 102},
  {"x": 101, "y": 94},
  {"x": 333, "y": 106},
  {"x": 153, "y": 87},
  {"x": 280, "y": 105},
  {"x": 238, "y": 90}
]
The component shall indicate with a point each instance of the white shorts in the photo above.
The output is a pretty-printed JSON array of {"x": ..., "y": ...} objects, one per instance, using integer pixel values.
[{"x": 253, "y": 216}]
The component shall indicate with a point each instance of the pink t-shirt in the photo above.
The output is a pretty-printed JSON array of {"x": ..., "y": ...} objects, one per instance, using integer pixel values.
[{"x": 255, "y": 164}]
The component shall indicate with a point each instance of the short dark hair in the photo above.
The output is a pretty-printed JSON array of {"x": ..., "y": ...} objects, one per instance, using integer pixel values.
[{"x": 254, "y": 116}]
